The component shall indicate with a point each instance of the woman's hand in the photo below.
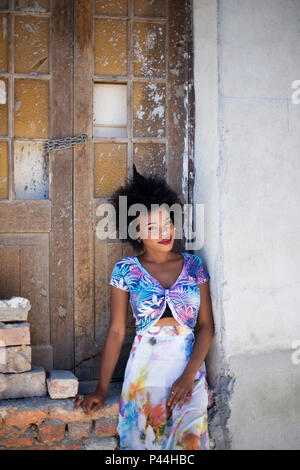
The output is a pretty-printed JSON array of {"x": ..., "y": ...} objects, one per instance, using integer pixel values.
[
  {"x": 181, "y": 391},
  {"x": 90, "y": 402}
]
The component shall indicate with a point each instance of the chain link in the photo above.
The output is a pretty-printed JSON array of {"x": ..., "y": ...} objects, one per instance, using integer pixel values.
[
  {"x": 57, "y": 144},
  {"x": 65, "y": 142}
]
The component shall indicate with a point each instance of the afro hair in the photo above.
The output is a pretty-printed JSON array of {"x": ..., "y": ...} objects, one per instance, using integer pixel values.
[{"x": 147, "y": 190}]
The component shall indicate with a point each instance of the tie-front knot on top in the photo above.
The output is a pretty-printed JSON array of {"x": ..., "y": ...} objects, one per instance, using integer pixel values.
[{"x": 148, "y": 298}]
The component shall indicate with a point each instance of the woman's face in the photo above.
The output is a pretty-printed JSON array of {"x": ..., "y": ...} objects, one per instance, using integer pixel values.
[{"x": 154, "y": 227}]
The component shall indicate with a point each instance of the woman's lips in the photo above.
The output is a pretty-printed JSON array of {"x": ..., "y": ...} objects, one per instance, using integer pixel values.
[{"x": 166, "y": 241}]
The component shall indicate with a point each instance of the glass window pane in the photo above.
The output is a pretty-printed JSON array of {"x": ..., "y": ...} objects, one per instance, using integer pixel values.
[
  {"x": 31, "y": 44},
  {"x": 110, "y": 47},
  {"x": 110, "y": 162},
  {"x": 150, "y": 159},
  {"x": 149, "y": 109},
  {"x": 31, "y": 108},
  {"x": 3, "y": 106},
  {"x": 110, "y": 110},
  {"x": 31, "y": 5},
  {"x": 150, "y": 8},
  {"x": 111, "y": 7},
  {"x": 3, "y": 43},
  {"x": 30, "y": 170},
  {"x": 149, "y": 41}
]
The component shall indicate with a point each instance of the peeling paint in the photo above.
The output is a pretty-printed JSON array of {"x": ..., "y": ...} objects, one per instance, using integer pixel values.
[
  {"x": 62, "y": 312},
  {"x": 149, "y": 40},
  {"x": 4, "y": 27},
  {"x": 110, "y": 50},
  {"x": 140, "y": 113},
  {"x": 3, "y": 170},
  {"x": 3, "y": 96},
  {"x": 31, "y": 176},
  {"x": 159, "y": 111},
  {"x": 31, "y": 5},
  {"x": 43, "y": 292}
]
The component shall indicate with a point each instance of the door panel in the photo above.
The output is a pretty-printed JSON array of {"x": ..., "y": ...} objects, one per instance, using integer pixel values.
[
  {"x": 36, "y": 214},
  {"x": 49, "y": 250},
  {"x": 145, "y": 46}
]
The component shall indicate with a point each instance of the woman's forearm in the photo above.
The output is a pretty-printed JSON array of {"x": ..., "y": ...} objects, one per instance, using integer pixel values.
[
  {"x": 203, "y": 338},
  {"x": 108, "y": 360}
]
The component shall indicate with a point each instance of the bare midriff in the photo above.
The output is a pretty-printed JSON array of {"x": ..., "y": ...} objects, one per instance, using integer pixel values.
[{"x": 167, "y": 321}]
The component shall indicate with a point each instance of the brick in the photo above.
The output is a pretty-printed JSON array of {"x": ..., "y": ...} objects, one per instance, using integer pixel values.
[
  {"x": 51, "y": 431},
  {"x": 22, "y": 419},
  {"x": 67, "y": 413},
  {"x": 67, "y": 416},
  {"x": 62, "y": 384},
  {"x": 15, "y": 359},
  {"x": 13, "y": 437},
  {"x": 100, "y": 443},
  {"x": 26, "y": 384},
  {"x": 14, "y": 334},
  {"x": 79, "y": 430},
  {"x": 14, "y": 309},
  {"x": 35, "y": 412},
  {"x": 65, "y": 445},
  {"x": 55, "y": 446},
  {"x": 105, "y": 427}
]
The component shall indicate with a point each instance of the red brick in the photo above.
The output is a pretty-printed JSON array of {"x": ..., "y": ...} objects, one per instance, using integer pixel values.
[
  {"x": 14, "y": 334},
  {"x": 79, "y": 430},
  {"x": 15, "y": 359},
  {"x": 62, "y": 384},
  {"x": 71, "y": 415},
  {"x": 57, "y": 412},
  {"x": 23, "y": 419},
  {"x": 51, "y": 431},
  {"x": 66, "y": 445},
  {"x": 106, "y": 426},
  {"x": 13, "y": 437}
]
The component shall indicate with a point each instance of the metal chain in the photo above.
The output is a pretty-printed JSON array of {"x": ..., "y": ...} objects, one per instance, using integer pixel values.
[
  {"x": 57, "y": 144},
  {"x": 65, "y": 142}
]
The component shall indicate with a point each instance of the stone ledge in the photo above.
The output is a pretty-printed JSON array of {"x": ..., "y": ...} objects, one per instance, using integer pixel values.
[{"x": 23, "y": 422}]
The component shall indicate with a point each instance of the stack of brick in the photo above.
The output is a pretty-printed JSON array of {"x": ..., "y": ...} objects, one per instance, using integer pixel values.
[
  {"x": 18, "y": 378},
  {"x": 42, "y": 423},
  {"x": 39, "y": 420}
]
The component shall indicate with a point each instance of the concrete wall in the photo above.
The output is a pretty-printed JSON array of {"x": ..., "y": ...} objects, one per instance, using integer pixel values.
[{"x": 247, "y": 150}]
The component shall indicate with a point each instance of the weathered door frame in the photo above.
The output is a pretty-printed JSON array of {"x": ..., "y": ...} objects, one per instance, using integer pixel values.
[{"x": 180, "y": 105}]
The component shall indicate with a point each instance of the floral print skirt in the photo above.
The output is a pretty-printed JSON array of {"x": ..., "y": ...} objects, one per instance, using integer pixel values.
[{"x": 157, "y": 358}]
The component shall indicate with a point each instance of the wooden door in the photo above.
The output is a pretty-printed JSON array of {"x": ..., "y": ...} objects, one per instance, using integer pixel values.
[
  {"x": 36, "y": 205},
  {"x": 139, "y": 51},
  {"x": 56, "y": 58}
]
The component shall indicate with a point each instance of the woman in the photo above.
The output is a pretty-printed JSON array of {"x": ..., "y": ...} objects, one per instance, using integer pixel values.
[{"x": 164, "y": 398}]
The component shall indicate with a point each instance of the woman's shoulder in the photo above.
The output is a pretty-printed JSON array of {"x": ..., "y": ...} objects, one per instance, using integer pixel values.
[
  {"x": 125, "y": 261},
  {"x": 192, "y": 256},
  {"x": 194, "y": 263}
]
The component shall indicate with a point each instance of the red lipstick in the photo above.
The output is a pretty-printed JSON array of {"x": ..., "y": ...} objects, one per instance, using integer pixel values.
[{"x": 166, "y": 241}]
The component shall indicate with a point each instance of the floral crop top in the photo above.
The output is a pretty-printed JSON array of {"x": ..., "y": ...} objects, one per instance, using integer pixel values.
[{"x": 148, "y": 298}]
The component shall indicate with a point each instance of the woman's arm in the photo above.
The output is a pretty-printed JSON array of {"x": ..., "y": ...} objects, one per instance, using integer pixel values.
[
  {"x": 204, "y": 331},
  {"x": 114, "y": 338},
  {"x": 182, "y": 388}
]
